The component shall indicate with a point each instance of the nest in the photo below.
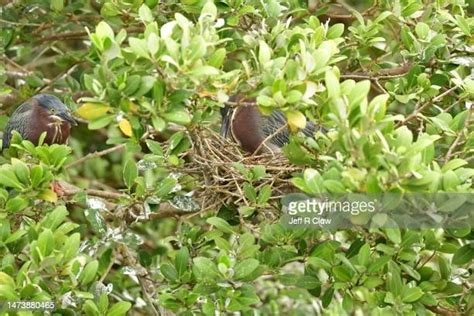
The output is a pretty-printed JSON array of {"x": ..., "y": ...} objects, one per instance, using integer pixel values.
[{"x": 214, "y": 161}]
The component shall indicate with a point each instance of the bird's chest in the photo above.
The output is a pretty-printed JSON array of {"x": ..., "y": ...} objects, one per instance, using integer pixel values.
[
  {"x": 246, "y": 128},
  {"x": 58, "y": 133}
]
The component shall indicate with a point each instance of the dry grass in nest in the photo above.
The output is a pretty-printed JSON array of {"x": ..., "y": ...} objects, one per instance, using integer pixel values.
[{"x": 214, "y": 158}]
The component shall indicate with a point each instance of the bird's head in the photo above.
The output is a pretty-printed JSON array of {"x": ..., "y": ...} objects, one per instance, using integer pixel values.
[
  {"x": 56, "y": 110},
  {"x": 226, "y": 113}
]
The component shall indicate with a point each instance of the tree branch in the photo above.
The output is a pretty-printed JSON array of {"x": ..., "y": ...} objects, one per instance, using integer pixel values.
[
  {"x": 95, "y": 155},
  {"x": 426, "y": 105},
  {"x": 458, "y": 138}
]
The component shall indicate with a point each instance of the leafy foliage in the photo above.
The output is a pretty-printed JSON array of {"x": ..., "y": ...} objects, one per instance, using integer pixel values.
[{"x": 390, "y": 81}]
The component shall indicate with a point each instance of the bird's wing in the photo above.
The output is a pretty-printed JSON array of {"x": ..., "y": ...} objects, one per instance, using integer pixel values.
[
  {"x": 18, "y": 122},
  {"x": 270, "y": 126},
  {"x": 277, "y": 119}
]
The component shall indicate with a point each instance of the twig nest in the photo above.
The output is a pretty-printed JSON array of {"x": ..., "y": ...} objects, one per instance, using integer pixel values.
[{"x": 225, "y": 170}]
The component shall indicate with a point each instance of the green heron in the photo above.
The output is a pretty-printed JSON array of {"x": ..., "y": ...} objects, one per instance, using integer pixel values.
[
  {"x": 246, "y": 125},
  {"x": 41, "y": 113}
]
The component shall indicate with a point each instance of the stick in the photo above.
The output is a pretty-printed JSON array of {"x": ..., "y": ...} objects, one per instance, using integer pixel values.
[{"x": 95, "y": 155}]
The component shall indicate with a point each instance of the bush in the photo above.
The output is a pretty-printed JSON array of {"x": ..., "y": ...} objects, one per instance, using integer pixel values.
[{"x": 156, "y": 214}]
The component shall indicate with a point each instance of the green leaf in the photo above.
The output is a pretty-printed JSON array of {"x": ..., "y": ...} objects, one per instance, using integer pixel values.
[
  {"x": 335, "y": 31},
  {"x": 153, "y": 43},
  {"x": 103, "y": 30},
  {"x": 139, "y": 47},
  {"x": 422, "y": 30},
  {"x": 264, "y": 194},
  {"x": 464, "y": 255},
  {"x": 307, "y": 282},
  {"x": 411, "y": 294},
  {"x": 204, "y": 268},
  {"x": 71, "y": 246},
  {"x": 16, "y": 204},
  {"x": 101, "y": 122},
  {"x": 216, "y": 60},
  {"x": 165, "y": 187},
  {"x": 169, "y": 272},
  {"x": 119, "y": 309},
  {"x": 319, "y": 263},
  {"x": 46, "y": 242},
  {"x": 463, "y": 25},
  {"x": 6, "y": 280},
  {"x": 245, "y": 268},
  {"x": 378, "y": 264},
  {"x": 342, "y": 273},
  {"x": 264, "y": 53},
  {"x": 364, "y": 255},
  {"x": 182, "y": 261},
  {"x": 204, "y": 71},
  {"x": 327, "y": 297},
  {"x": 145, "y": 14},
  {"x": 220, "y": 224},
  {"x": 394, "y": 235},
  {"x": 180, "y": 117},
  {"x": 395, "y": 284},
  {"x": 21, "y": 170},
  {"x": 90, "y": 308},
  {"x": 313, "y": 180},
  {"x": 359, "y": 92},
  {"x": 130, "y": 173},
  {"x": 8, "y": 178},
  {"x": 266, "y": 101},
  {"x": 89, "y": 273},
  {"x": 294, "y": 96},
  {"x": 57, "y": 5},
  {"x": 209, "y": 9},
  {"x": 454, "y": 164},
  {"x": 332, "y": 84}
]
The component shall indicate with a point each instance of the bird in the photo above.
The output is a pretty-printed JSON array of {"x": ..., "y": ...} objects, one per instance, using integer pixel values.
[
  {"x": 39, "y": 114},
  {"x": 254, "y": 131}
]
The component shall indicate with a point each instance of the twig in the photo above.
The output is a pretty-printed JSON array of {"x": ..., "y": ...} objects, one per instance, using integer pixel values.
[
  {"x": 64, "y": 73},
  {"x": 280, "y": 129},
  {"x": 234, "y": 104},
  {"x": 426, "y": 105},
  {"x": 439, "y": 310},
  {"x": 68, "y": 189},
  {"x": 383, "y": 74},
  {"x": 147, "y": 295},
  {"x": 458, "y": 138},
  {"x": 95, "y": 155},
  {"x": 76, "y": 35}
]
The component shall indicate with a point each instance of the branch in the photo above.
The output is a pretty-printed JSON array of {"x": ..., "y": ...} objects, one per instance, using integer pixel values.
[
  {"x": 426, "y": 105},
  {"x": 439, "y": 310},
  {"x": 269, "y": 137},
  {"x": 235, "y": 104},
  {"x": 66, "y": 72},
  {"x": 166, "y": 210},
  {"x": 72, "y": 35},
  {"x": 458, "y": 138},
  {"x": 95, "y": 155},
  {"x": 383, "y": 74}
]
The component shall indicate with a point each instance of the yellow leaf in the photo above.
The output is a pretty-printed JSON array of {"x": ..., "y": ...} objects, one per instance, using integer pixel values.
[
  {"x": 91, "y": 111},
  {"x": 125, "y": 127},
  {"x": 296, "y": 120},
  {"x": 49, "y": 196},
  {"x": 7, "y": 280}
]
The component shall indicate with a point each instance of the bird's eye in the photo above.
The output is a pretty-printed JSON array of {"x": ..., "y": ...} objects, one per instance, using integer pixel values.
[{"x": 53, "y": 111}]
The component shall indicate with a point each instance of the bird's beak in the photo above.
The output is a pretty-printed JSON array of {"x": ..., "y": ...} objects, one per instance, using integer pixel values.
[
  {"x": 66, "y": 116},
  {"x": 225, "y": 125}
]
